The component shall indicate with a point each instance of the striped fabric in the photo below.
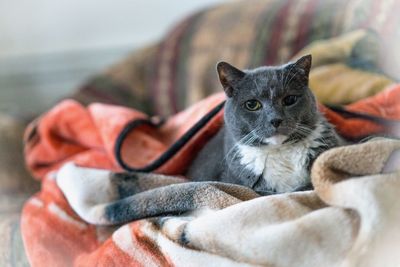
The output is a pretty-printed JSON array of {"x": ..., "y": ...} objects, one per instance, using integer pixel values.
[{"x": 180, "y": 69}]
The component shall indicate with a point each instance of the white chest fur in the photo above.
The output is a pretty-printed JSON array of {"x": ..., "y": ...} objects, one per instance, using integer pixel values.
[{"x": 284, "y": 167}]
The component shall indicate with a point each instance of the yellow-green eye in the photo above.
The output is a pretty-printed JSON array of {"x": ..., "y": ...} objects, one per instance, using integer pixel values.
[{"x": 252, "y": 105}]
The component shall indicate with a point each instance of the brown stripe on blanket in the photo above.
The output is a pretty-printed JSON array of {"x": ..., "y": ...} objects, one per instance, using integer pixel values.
[
  {"x": 127, "y": 184},
  {"x": 311, "y": 201},
  {"x": 148, "y": 245}
]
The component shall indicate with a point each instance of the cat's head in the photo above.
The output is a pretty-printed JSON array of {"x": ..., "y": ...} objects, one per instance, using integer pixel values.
[{"x": 268, "y": 105}]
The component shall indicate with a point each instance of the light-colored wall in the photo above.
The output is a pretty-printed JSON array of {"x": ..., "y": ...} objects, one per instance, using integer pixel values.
[
  {"x": 47, "y": 47},
  {"x": 44, "y": 26}
]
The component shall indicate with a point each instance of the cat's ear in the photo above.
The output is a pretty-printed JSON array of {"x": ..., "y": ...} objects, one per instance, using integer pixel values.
[
  {"x": 228, "y": 75},
  {"x": 304, "y": 64}
]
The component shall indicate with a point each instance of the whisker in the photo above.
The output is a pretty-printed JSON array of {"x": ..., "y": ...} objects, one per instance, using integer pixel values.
[{"x": 245, "y": 140}]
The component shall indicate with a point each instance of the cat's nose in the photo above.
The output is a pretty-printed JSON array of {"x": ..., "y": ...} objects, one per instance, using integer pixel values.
[{"x": 276, "y": 122}]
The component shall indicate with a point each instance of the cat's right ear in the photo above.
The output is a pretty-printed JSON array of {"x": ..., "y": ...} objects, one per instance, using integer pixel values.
[{"x": 228, "y": 75}]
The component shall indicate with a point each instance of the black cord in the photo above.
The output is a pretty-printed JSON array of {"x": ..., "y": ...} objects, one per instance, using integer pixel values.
[{"x": 170, "y": 151}]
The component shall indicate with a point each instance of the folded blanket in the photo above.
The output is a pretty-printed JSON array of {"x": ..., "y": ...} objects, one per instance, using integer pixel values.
[
  {"x": 351, "y": 219},
  {"x": 195, "y": 223},
  {"x": 111, "y": 137}
]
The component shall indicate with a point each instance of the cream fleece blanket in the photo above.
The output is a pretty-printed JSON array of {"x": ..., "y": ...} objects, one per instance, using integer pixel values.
[{"x": 351, "y": 218}]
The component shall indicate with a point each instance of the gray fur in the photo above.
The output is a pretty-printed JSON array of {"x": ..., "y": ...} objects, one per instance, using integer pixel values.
[
  {"x": 219, "y": 160},
  {"x": 123, "y": 197},
  {"x": 143, "y": 195}
]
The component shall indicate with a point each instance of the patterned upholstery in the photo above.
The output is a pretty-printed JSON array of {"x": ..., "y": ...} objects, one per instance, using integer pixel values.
[{"x": 180, "y": 69}]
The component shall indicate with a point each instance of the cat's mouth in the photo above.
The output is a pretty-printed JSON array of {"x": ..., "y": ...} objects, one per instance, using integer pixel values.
[{"x": 274, "y": 140}]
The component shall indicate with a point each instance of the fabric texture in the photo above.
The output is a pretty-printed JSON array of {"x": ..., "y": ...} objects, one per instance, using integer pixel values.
[
  {"x": 351, "y": 219},
  {"x": 56, "y": 138},
  {"x": 179, "y": 70},
  {"x": 344, "y": 68}
]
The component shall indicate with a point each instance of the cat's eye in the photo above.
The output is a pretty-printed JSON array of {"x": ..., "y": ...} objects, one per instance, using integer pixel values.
[
  {"x": 289, "y": 100},
  {"x": 252, "y": 105}
]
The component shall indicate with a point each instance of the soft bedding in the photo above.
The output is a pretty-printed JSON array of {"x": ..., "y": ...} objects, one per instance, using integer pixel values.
[{"x": 350, "y": 218}]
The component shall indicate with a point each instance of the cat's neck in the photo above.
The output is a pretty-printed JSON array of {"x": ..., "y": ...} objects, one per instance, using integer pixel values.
[{"x": 281, "y": 167}]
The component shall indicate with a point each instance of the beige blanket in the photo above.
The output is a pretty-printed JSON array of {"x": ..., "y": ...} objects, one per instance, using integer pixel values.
[{"x": 351, "y": 219}]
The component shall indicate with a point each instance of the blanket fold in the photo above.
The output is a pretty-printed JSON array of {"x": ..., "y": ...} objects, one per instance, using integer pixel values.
[
  {"x": 167, "y": 220},
  {"x": 115, "y": 198},
  {"x": 351, "y": 218},
  {"x": 110, "y": 137}
]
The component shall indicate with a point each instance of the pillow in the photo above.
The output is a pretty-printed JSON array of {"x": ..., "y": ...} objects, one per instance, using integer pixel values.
[{"x": 345, "y": 68}]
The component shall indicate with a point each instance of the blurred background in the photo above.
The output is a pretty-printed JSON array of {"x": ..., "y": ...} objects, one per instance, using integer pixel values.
[
  {"x": 159, "y": 57},
  {"x": 48, "y": 48}
]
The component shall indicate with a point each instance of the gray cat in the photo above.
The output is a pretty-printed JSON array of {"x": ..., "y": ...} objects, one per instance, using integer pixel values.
[
  {"x": 272, "y": 134},
  {"x": 272, "y": 130}
]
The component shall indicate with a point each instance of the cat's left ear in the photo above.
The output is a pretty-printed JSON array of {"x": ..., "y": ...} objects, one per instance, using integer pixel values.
[{"x": 304, "y": 64}]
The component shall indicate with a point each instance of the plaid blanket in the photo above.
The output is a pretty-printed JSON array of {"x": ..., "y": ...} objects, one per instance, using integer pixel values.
[
  {"x": 89, "y": 212},
  {"x": 178, "y": 71}
]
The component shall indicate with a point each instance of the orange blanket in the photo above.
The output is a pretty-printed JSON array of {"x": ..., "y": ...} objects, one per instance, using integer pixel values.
[
  {"x": 92, "y": 137},
  {"x": 88, "y": 136}
]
